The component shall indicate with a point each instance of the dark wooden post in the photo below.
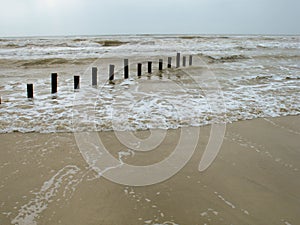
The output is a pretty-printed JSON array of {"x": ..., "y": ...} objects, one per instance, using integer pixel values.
[
  {"x": 169, "y": 62},
  {"x": 29, "y": 90},
  {"x": 111, "y": 72},
  {"x": 53, "y": 83},
  {"x": 139, "y": 69},
  {"x": 149, "y": 67},
  {"x": 191, "y": 60},
  {"x": 183, "y": 61},
  {"x": 76, "y": 82},
  {"x": 126, "y": 69},
  {"x": 178, "y": 60},
  {"x": 160, "y": 65},
  {"x": 94, "y": 76}
]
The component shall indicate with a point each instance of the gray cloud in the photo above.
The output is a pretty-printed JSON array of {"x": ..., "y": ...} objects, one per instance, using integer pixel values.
[{"x": 75, "y": 17}]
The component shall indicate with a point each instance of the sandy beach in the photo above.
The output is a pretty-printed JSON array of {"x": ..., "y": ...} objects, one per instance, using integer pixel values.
[{"x": 255, "y": 179}]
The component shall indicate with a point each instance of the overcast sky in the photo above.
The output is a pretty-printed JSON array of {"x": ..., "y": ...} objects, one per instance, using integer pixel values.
[{"x": 92, "y": 17}]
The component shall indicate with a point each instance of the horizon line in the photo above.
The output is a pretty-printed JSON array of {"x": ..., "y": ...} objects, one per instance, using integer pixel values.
[{"x": 149, "y": 34}]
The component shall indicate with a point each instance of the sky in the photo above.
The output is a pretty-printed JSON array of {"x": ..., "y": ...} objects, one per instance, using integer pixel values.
[{"x": 100, "y": 17}]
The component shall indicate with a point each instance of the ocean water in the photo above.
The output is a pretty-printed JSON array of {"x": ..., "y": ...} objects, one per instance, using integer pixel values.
[{"x": 232, "y": 78}]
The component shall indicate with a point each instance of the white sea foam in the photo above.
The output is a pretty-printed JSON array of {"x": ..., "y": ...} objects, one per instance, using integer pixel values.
[
  {"x": 29, "y": 212},
  {"x": 224, "y": 200}
]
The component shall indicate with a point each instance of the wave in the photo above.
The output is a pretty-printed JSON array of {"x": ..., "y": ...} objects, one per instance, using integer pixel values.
[
  {"x": 244, "y": 48},
  {"x": 276, "y": 56},
  {"x": 265, "y": 47},
  {"x": 79, "y": 39},
  {"x": 262, "y": 47},
  {"x": 45, "y": 62},
  {"x": 235, "y": 58},
  {"x": 223, "y": 59},
  {"x": 104, "y": 43},
  {"x": 36, "y": 45},
  {"x": 52, "y": 61},
  {"x": 110, "y": 43},
  {"x": 10, "y": 45},
  {"x": 231, "y": 58},
  {"x": 190, "y": 37},
  {"x": 263, "y": 77},
  {"x": 268, "y": 38},
  {"x": 292, "y": 78},
  {"x": 203, "y": 37},
  {"x": 4, "y": 40},
  {"x": 147, "y": 43},
  {"x": 73, "y": 44}
]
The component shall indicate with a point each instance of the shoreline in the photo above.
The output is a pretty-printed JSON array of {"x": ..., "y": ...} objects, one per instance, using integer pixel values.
[
  {"x": 143, "y": 130},
  {"x": 253, "y": 180}
]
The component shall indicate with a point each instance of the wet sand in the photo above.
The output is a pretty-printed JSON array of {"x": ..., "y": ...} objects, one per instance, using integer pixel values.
[{"x": 255, "y": 179}]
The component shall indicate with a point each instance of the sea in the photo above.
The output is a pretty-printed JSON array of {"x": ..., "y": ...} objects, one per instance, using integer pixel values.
[{"x": 230, "y": 78}]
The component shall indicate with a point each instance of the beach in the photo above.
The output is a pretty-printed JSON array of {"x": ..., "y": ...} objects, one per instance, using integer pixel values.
[
  {"x": 215, "y": 141},
  {"x": 253, "y": 180}
]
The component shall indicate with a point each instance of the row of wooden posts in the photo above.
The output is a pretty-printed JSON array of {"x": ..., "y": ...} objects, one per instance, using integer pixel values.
[{"x": 111, "y": 73}]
